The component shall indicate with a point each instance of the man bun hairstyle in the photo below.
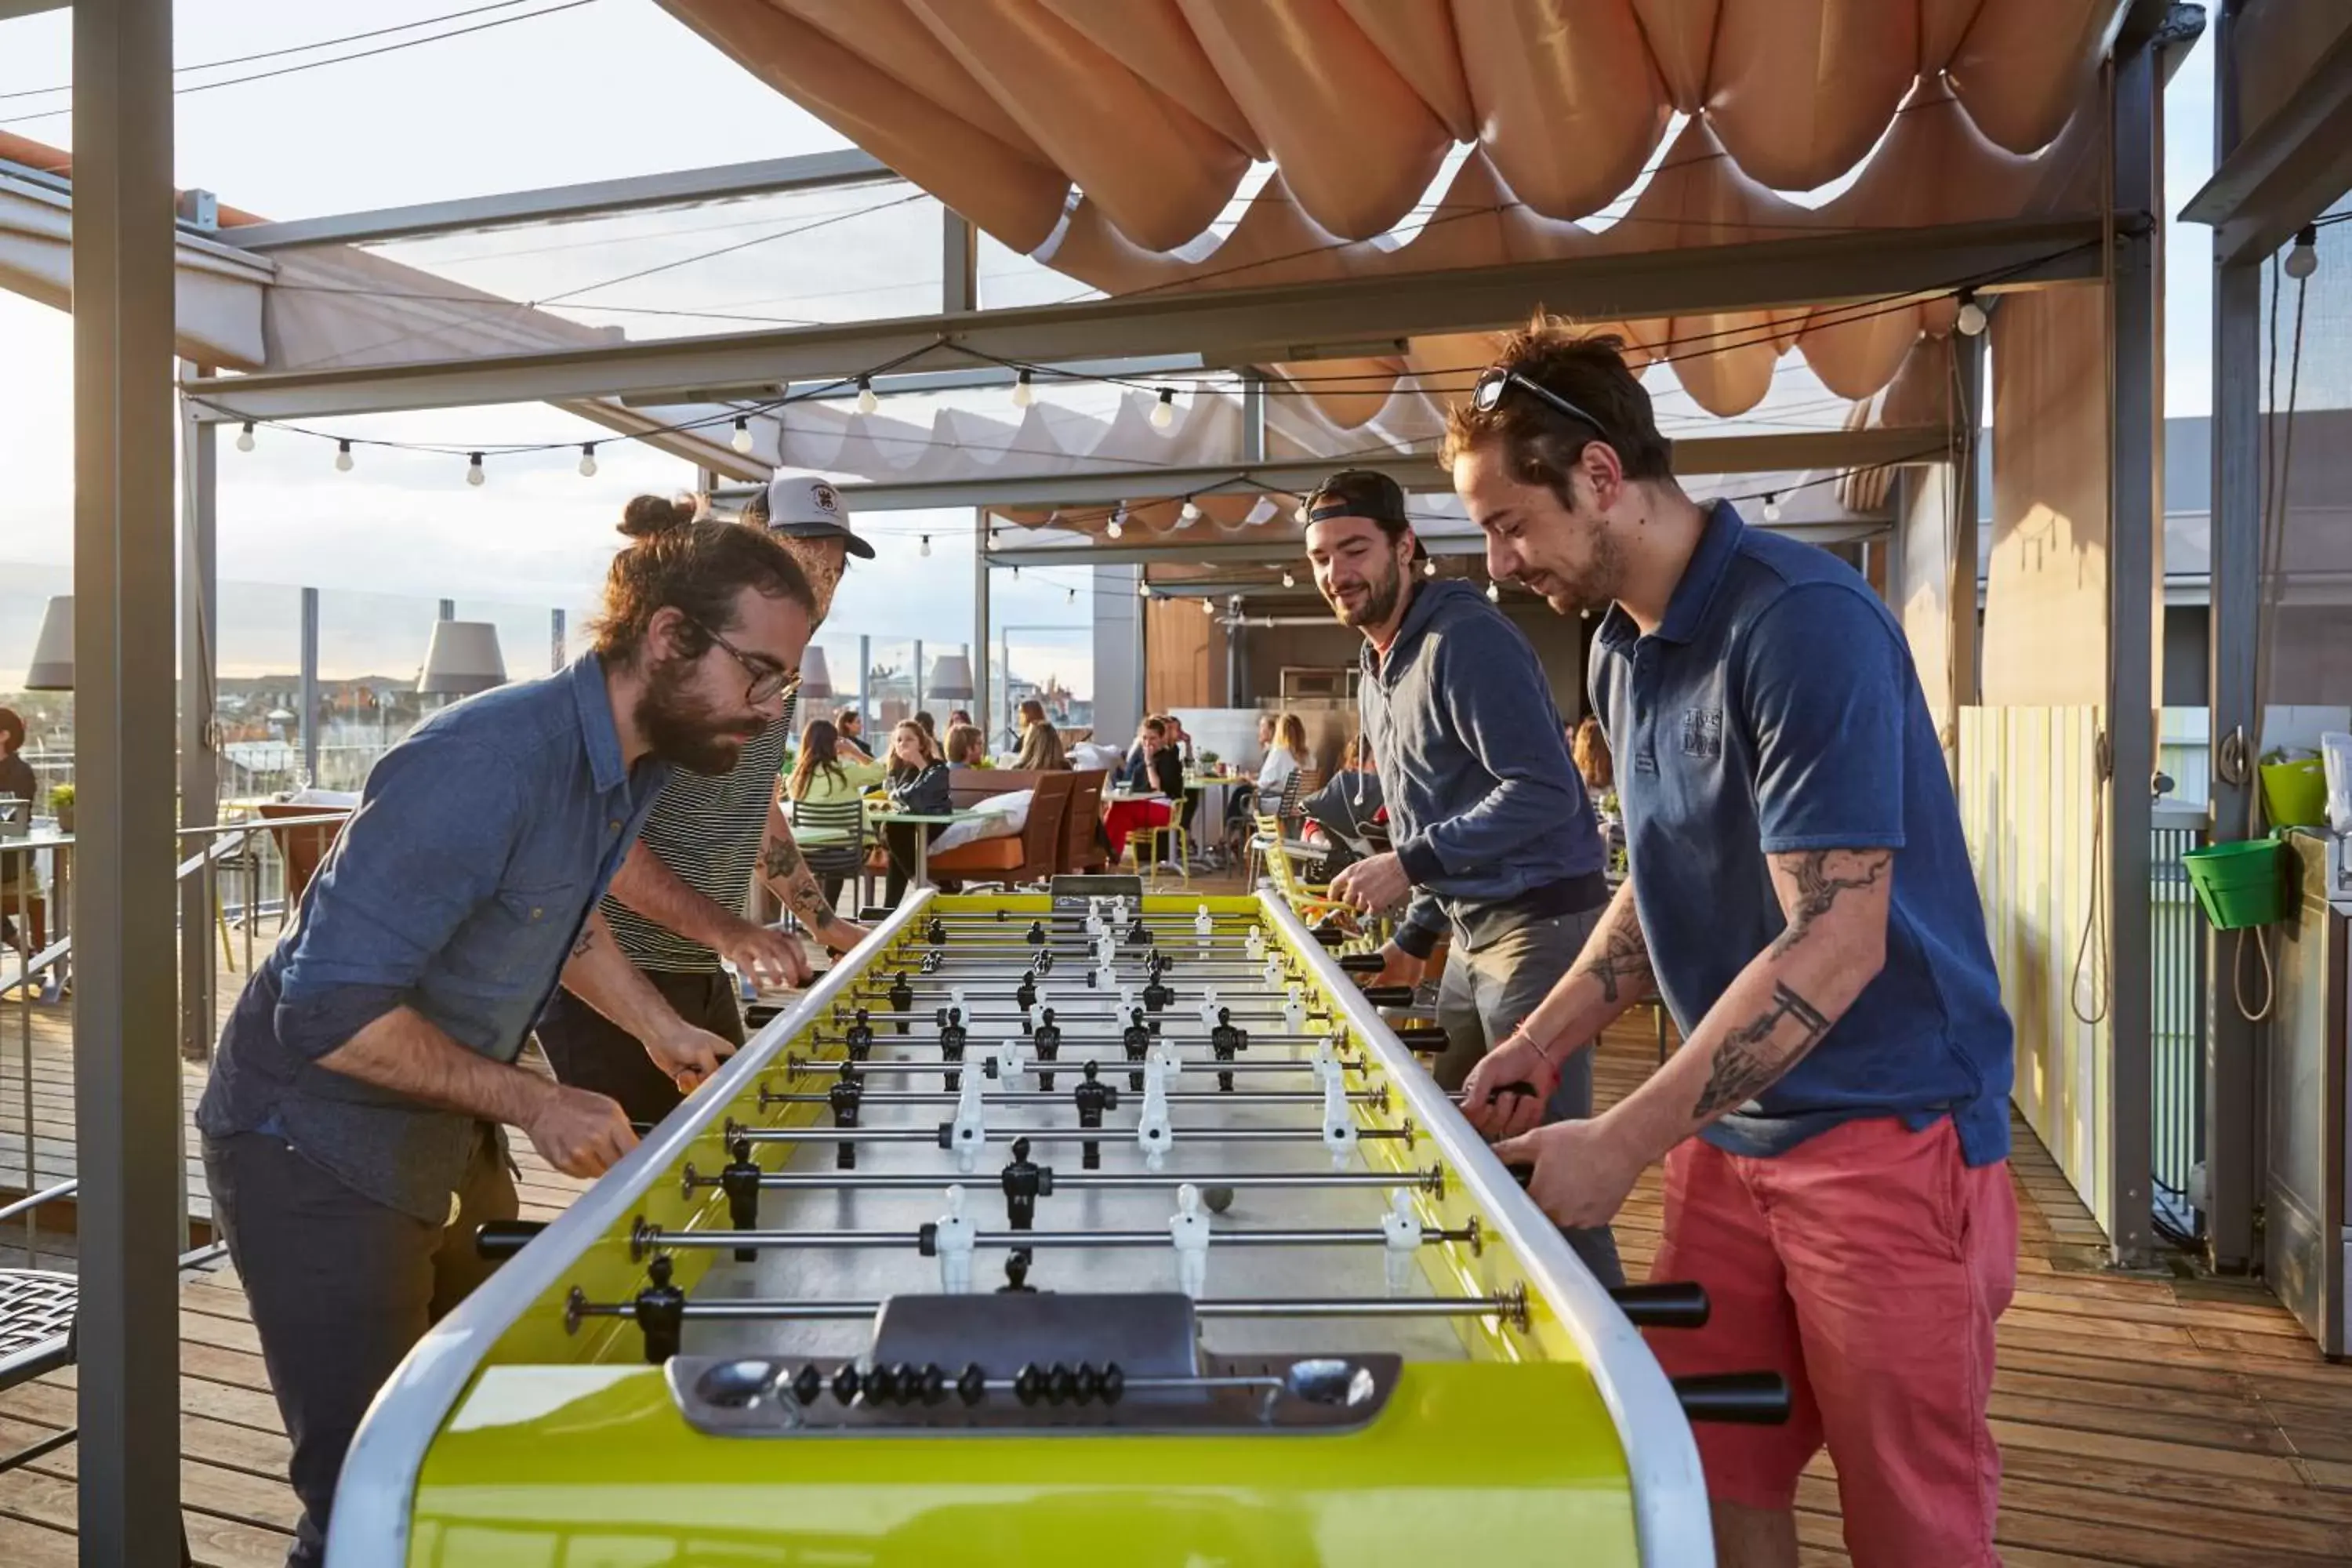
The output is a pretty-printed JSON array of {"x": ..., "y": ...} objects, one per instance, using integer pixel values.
[
  {"x": 698, "y": 566},
  {"x": 1543, "y": 445}
]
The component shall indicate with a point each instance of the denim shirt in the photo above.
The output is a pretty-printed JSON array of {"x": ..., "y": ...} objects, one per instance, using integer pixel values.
[
  {"x": 458, "y": 889},
  {"x": 1775, "y": 710}
]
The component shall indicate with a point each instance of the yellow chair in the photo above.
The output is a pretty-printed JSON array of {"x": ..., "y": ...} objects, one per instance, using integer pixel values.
[{"x": 1151, "y": 845}]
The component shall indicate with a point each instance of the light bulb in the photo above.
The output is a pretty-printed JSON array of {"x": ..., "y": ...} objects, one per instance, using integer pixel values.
[
  {"x": 244, "y": 437},
  {"x": 2304, "y": 260},
  {"x": 1142, "y": 589},
  {"x": 866, "y": 402},
  {"x": 1074, "y": 595},
  {"x": 1163, "y": 413},
  {"x": 1971, "y": 317},
  {"x": 1429, "y": 566},
  {"x": 1189, "y": 513},
  {"x": 342, "y": 456},
  {"x": 588, "y": 460},
  {"x": 741, "y": 439},
  {"x": 1208, "y": 606},
  {"x": 1116, "y": 528},
  {"x": 1024, "y": 394},
  {"x": 1288, "y": 581},
  {"x": 1771, "y": 509},
  {"x": 924, "y": 548},
  {"x": 1016, "y": 573},
  {"x": 474, "y": 474},
  {"x": 1494, "y": 592}
]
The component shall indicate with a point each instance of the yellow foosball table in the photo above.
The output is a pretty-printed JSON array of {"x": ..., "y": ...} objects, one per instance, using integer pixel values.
[{"x": 1074, "y": 1227}]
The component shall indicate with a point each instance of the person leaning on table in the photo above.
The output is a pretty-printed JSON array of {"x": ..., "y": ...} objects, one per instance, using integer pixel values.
[{"x": 351, "y": 1126}]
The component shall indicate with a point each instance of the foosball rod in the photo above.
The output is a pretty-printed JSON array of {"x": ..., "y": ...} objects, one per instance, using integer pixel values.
[
  {"x": 1108, "y": 1133},
  {"x": 1074, "y": 1065},
  {"x": 1429, "y": 1179},
  {"x": 645, "y": 1238},
  {"x": 1376, "y": 1097},
  {"x": 755, "y": 1309}
]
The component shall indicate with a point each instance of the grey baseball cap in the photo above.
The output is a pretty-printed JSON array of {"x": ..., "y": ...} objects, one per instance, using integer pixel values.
[{"x": 809, "y": 508}]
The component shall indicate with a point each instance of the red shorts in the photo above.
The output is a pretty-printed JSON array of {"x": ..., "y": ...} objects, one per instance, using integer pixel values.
[
  {"x": 1122, "y": 817},
  {"x": 1868, "y": 1266}
]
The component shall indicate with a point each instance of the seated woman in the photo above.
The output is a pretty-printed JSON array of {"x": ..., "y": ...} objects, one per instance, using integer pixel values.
[
  {"x": 917, "y": 784},
  {"x": 823, "y": 776},
  {"x": 1285, "y": 742},
  {"x": 1154, "y": 765},
  {"x": 1040, "y": 743}
]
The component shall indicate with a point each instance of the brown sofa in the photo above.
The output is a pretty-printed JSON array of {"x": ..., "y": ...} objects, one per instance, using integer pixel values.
[{"x": 1030, "y": 856}]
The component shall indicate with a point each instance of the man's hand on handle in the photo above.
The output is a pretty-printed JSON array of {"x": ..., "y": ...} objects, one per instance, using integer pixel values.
[
  {"x": 689, "y": 1055},
  {"x": 770, "y": 957},
  {"x": 1492, "y": 1098},
  {"x": 580, "y": 1132}
]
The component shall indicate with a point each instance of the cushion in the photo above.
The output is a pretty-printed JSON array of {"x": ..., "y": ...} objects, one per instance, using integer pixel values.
[
  {"x": 1087, "y": 757},
  {"x": 977, "y": 859},
  {"x": 1015, "y": 807}
]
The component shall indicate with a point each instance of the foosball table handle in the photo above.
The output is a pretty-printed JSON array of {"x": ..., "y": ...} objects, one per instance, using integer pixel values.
[
  {"x": 1665, "y": 1304},
  {"x": 499, "y": 1239},
  {"x": 1424, "y": 1038},
  {"x": 1389, "y": 995},
  {"x": 1362, "y": 963},
  {"x": 1744, "y": 1398}
]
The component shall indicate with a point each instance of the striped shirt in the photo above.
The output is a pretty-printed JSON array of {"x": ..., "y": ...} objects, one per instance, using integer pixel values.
[{"x": 708, "y": 831}]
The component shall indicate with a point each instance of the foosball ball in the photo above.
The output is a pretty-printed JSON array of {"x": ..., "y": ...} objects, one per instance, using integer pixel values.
[{"x": 1087, "y": 1227}]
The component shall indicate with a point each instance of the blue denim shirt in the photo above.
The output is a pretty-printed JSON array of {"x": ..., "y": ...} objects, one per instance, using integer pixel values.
[
  {"x": 1774, "y": 710},
  {"x": 458, "y": 889}
]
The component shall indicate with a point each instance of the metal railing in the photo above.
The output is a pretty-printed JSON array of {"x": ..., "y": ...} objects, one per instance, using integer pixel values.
[{"x": 2175, "y": 1018}]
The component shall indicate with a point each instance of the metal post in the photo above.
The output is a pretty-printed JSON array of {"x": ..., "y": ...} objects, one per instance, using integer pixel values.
[
  {"x": 310, "y": 690},
  {"x": 865, "y": 671},
  {"x": 448, "y": 609},
  {"x": 1253, "y": 417},
  {"x": 983, "y": 684},
  {"x": 127, "y": 1115},
  {"x": 2234, "y": 1157},
  {"x": 919, "y": 677},
  {"x": 2134, "y": 342},
  {"x": 1968, "y": 508},
  {"x": 557, "y": 644},
  {"x": 959, "y": 263},
  {"x": 199, "y": 732}
]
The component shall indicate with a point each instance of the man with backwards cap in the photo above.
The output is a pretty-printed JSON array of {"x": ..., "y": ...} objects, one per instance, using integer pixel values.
[
  {"x": 1835, "y": 1127},
  {"x": 1493, "y": 837},
  {"x": 676, "y": 908}
]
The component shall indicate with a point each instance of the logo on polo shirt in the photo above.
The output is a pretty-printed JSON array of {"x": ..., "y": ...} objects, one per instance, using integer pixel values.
[{"x": 1703, "y": 732}]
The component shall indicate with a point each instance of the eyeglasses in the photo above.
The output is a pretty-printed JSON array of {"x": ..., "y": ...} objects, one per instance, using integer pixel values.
[
  {"x": 1489, "y": 392},
  {"x": 768, "y": 682}
]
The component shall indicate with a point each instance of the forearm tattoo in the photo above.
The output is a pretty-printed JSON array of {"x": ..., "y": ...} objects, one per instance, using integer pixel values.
[
  {"x": 584, "y": 941},
  {"x": 1819, "y": 884},
  {"x": 1622, "y": 964},
  {"x": 1755, "y": 1055},
  {"x": 781, "y": 861}
]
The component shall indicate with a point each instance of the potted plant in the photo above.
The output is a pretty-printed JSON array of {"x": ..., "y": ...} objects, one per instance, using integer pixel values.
[{"x": 61, "y": 807}]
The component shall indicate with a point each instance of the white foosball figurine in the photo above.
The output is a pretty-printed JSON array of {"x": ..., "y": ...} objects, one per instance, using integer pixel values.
[
  {"x": 1402, "y": 1227},
  {"x": 1151, "y": 1130},
  {"x": 1011, "y": 1062},
  {"x": 1255, "y": 944},
  {"x": 1203, "y": 926},
  {"x": 956, "y": 1000},
  {"x": 1326, "y": 1063},
  {"x": 1294, "y": 1009},
  {"x": 1339, "y": 1123},
  {"x": 1106, "y": 978},
  {"x": 1106, "y": 948},
  {"x": 952, "y": 1238},
  {"x": 1190, "y": 1229},
  {"x": 970, "y": 1128},
  {"x": 1170, "y": 1060},
  {"x": 1272, "y": 972},
  {"x": 1208, "y": 1008}
]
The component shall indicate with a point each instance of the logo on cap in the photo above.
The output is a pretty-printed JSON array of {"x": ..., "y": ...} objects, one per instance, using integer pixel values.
[{"x": 826, "y": 497}]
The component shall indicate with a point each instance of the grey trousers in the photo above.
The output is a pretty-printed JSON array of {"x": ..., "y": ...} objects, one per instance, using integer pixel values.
[
  {"x": 340, "y": 1289},
  {"x": 1485, "y": 995}
]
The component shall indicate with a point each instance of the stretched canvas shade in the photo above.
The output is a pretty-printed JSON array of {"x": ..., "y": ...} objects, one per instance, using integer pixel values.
[
  {"x": 52, "y": 668},
  {"x": 461, "y": 658},
  {"x": 816, "y": 680},
  {"x": 950, "y": 678}
]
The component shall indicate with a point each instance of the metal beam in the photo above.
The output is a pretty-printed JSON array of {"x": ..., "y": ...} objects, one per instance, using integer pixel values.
[
  {"x": 130, "y": 1128},
  {"x": 1792, "y": 451},
  {"x": 1204, "y": 545},
  {"x": 14, "y": 8},
  {"x": 199, "y": 732},
  {"x": 809, "y": 172},
  {"x": 2288, "y": 170},
  {"x": 1287, "y": 321},
  {"x": 928, "y": 381}
]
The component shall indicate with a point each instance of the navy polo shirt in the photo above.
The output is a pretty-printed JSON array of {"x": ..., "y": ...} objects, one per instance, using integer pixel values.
[{"x": 1775, "y": 709}]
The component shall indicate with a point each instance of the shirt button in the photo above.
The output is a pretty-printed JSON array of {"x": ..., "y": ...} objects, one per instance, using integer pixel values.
[{"x": 614, "y": 826}]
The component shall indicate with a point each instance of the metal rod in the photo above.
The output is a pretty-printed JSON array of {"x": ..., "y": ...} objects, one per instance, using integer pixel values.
[
  {"x": 652, "y": 1237},
  {"x": 1106, "y": 1134},
  {"x": 1072, "y": 1065},
  {"x": 755, "y": 1309},
  {"x": 1429, "y": 1179},
  {"x": 1039, "y": 1097}
]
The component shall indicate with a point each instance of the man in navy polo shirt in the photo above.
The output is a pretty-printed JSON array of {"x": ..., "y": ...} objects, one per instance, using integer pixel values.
[{"x": 1835, "y": 1127}]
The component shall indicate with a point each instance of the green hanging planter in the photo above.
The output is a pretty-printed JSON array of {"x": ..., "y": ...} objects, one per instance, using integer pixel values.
[{"x": 2238, "y": 885}]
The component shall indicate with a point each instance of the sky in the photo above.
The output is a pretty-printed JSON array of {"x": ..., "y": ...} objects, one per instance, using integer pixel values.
[{"x": 602, "y": 90}]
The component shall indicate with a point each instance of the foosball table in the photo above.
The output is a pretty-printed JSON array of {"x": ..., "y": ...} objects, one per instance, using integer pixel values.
[{"x": 1081, "y": 1226}]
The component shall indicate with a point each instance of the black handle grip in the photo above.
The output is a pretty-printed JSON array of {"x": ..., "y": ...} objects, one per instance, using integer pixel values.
[
  {"x": 1389, "y": 995},
  {"x": 874, "y": 912},
  {"x": 1745, "y": 1398},
  {"x": 502, "y": 1238},
  {"x": 1669, "y": 1304},
  {"x": 1329, "y": 936},
  {"x": 1424, "y": 1038},
  {"x": 1362, "y": 963}
]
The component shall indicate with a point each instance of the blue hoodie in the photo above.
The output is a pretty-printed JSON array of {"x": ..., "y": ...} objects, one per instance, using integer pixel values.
[{"x": 1487, "y": 811}]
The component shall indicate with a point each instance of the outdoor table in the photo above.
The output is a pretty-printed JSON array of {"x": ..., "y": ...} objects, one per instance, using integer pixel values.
[
  {"x": 922, "y": 877},
  {"x": 18, "y": 863}
]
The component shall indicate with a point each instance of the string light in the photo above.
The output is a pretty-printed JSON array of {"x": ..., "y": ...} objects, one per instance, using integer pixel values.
[
  {"x": 587, "y": 459},
  {"x": 1208, "y": 606},
  {"x": 1189, "y": 514},
  {"x": 1429, "y": 566},
  {"x": 1971, "y": 317},
  {"x": 1163, "y": 413},
  {"x": 2304, "y": 260},
  {"x": 924, "y": 548},
  {"x": 741, "y": 439},
  {"x": 866, "y": 402},
  {"x": 244, "y": 437},
  {"x": 1016, "y": 573},
  {"x": 1142, "y": 589},
  {"x": 342, "y": 456},
  {"x": 1772, "y": 507},
  {"x": 1287, "y": 580},
  {"x": 474, "y": 474},
  {"x": 1494, "y": 592},
  {"x": 1074, "y": 595},
  {"x": 1024, "y": 394},
  {"x": 1117, "y": 524}
]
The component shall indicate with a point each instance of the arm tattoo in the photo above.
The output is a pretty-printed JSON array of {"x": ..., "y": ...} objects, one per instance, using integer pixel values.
[
  {"x": 779, "y": 857},
  {"x": 1817, "y": 887},
  {"x": 1748, "y": 1061},
  {"x": 1626, "y": 957},
  {"x": 781, "y": 861},
  {"x": 584, "y": 941}
]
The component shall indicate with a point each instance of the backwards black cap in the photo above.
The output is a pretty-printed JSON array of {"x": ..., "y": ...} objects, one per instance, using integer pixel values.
[{"x": 1359, "y": 492}]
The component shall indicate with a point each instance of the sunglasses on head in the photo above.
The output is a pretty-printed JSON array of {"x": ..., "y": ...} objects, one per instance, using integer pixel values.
[{"x": 1495, "y": 379}]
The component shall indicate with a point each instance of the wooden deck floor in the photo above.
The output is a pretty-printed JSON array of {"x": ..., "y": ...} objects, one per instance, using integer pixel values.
[{"x": 2144, "y": 1420}]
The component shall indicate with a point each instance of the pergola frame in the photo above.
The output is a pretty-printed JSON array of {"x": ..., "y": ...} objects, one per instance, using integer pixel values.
[{"x": 129, "y": 1110}]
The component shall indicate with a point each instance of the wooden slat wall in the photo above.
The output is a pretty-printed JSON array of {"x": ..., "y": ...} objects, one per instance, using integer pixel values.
[
  {"x": 2027, "y": 792},
  {"x": 1183, "y": 656}
]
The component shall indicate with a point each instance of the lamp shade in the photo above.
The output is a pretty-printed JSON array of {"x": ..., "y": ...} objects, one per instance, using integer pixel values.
[
  {"x": 461, "y": 658},
  {"x": 950, "y": 678},
  {"x": 816, "y": 680},
  {"x": 52, "y": 668}
]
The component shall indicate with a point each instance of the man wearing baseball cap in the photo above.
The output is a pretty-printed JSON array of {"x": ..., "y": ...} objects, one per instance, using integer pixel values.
[
  {"x": 676, "y": 908},
  {"x": 1494, "y": 839}
]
